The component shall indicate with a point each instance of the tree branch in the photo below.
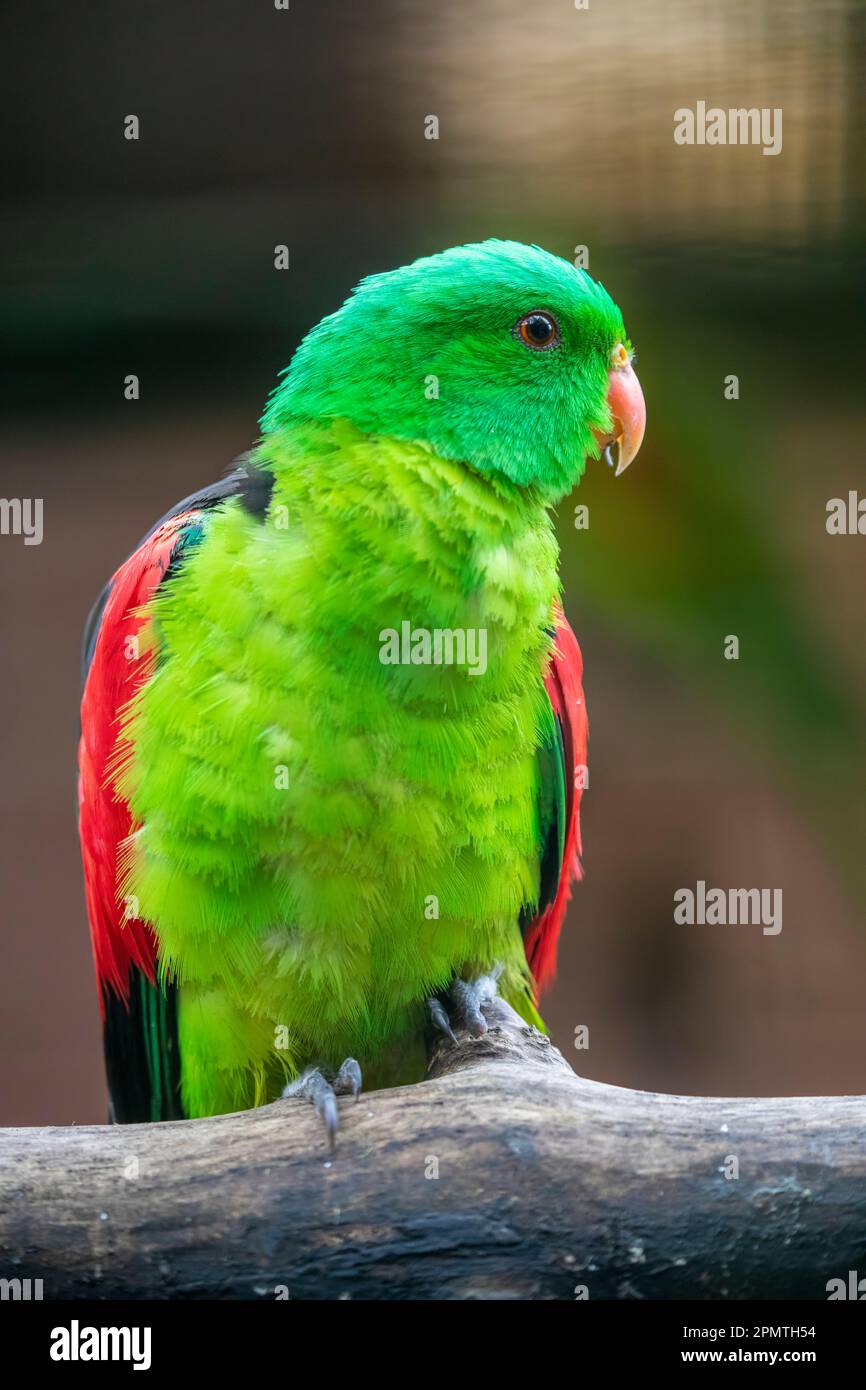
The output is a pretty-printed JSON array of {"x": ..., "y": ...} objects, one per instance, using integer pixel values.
[{"x": 546, "y": 1183}]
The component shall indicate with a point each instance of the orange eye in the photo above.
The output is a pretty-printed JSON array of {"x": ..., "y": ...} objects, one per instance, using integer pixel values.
[{"x": 538, "y": 330}]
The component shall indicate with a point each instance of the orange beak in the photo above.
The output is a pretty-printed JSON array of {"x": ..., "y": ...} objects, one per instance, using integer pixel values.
[{"x": 628, "y": 410}]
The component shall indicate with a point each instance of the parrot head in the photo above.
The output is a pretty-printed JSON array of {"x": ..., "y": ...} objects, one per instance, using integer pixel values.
[{"x": 496, "y": 354}]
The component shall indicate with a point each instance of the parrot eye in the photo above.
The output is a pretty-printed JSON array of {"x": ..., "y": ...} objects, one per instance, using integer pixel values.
[{"x": 538, "y": 330}]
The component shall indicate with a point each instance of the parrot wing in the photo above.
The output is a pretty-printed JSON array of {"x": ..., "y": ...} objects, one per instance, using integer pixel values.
[
  {"x": 138, "y": 1006},
  {"x": 562, "y": 765}
]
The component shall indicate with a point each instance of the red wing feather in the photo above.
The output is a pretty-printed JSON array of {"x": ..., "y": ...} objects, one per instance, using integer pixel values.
[
  {"x": 564, "y": 684},
  {"x": 117, "y": 670}
]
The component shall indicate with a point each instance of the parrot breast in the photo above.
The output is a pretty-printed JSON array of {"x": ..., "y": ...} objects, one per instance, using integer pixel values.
[{"x": 333, "y": 766}]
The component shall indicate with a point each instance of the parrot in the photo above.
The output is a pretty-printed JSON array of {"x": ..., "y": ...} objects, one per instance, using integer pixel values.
[{"x": 333, "y": 728}]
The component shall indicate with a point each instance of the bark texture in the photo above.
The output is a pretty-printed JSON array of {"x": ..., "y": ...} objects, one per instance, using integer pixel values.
[{"x": 502, "y": 1176}]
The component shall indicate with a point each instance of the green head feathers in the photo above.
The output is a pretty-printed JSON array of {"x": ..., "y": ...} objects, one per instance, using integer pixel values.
[{"x": 495, "y": 354}]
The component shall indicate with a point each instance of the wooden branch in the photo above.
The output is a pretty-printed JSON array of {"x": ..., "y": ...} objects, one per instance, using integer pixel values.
[{"x": 502, "y": 1176}]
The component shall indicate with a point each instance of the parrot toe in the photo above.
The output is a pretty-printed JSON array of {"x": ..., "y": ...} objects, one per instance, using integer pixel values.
[
  {"x": 314, "y": 1086},
  {"x": 439, "y": 1018},
  {"x": 463, "y": 1005},
  {"x": 348, "y": 1079}
]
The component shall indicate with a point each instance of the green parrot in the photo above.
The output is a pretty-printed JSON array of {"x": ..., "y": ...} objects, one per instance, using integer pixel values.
[{"x": 333, "y": 728}]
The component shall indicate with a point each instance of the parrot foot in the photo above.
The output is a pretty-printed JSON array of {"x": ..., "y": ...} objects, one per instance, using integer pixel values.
[
  {"x": 463, "y": 1005},
  {"x": 314, "y": 1086}
]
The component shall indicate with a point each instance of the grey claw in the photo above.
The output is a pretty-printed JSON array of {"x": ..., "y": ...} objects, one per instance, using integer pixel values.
[
  {"x": 468, "y": 1008},
  {"x": 315, "y": 1087},
  {"x": 439, "y": 1018},
  {"x": 326, "y": 1108},
  {"x": 348, "y": 1080},
  {"x": 465, "y": 1005}
]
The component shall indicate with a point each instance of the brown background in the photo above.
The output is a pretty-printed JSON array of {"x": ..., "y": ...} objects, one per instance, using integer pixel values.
[{"x": 261, "y": 127}]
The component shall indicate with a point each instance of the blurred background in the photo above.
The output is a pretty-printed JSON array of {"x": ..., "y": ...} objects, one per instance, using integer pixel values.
[{"x": 305, "y": 127}]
